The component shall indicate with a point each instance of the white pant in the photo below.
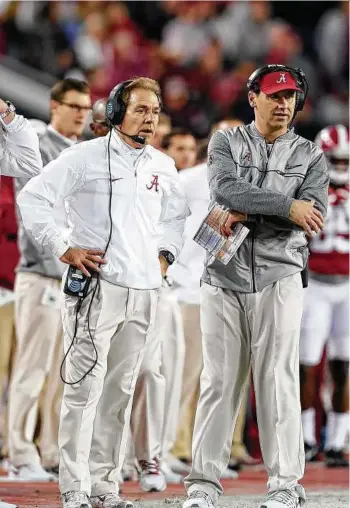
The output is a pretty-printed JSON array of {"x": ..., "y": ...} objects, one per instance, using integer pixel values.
[
  {"x": 325, "y": 320},
  {"x": 239, "y": 329},
  {"x": 95, "y": 415},
  {"x": 39, "y": 329},
  {"x": 158, "y": 389}
]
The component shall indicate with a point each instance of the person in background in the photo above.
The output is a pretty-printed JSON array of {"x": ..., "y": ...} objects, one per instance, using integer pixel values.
[
  {"x": 326, "y": 309},
  {"x": 98, "y": 124},
  {"x": 37, "y": 311},
  {"x": 164, "y": 127},
  {"x": 157, "y": 394},
  {"x": 181, "y": 145}
]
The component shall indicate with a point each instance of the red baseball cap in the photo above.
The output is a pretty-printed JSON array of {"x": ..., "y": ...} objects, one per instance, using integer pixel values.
[{"x": 276, "y": 81}]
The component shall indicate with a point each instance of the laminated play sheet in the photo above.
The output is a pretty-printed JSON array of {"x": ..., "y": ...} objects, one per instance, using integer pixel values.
[{"x": 217, "y": 245}]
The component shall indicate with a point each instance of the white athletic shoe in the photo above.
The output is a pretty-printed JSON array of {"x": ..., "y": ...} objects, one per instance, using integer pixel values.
[
  {"x": 170, "y": 475},
  {"x": 129, "y": 473},
  {"x": 198, "y": 499},
  {"x": 177, "y": 465},
  {"x": 229, "y": 474},
  {"x": 7, "y": 505},
  {"x": 109, "y": 501},
  {"x": 151, "y": 477},
  {"x": 30, "y": 473},
  {"x": 288, "y": 498},
  {"x": 75, "y": 499}
]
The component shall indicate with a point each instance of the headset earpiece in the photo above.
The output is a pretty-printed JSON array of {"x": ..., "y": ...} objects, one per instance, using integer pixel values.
[{"x": 115, "y": 107}]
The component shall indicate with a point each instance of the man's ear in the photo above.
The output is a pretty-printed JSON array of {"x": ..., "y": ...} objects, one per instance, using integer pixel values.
[
  {"x": 53, "y": 105},
  {"x": 251, "y": 99}
]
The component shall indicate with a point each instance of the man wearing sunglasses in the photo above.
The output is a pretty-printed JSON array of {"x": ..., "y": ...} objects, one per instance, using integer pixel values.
[{"x": 37, "y": 311}]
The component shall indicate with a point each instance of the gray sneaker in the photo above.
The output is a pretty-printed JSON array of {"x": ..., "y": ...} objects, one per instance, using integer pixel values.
[
  {"x": 109, "y": 501},
  {"x": 75, "y": 499},
  {"x": 198, "y": 499},
  {"x": 289, "y": 498}
]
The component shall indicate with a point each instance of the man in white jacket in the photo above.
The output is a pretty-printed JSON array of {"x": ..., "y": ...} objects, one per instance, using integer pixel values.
[
  {"x": 126, "y": 214},
  {"x": 19, "y": 144},
  {"x": 19, "y": 155}
]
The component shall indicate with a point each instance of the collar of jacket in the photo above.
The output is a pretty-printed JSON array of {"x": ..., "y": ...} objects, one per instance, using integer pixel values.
[
  {"x": 253, "y": 131},
  {"x": 119, "y": 145},
  {"x": 54, "y": 133}
]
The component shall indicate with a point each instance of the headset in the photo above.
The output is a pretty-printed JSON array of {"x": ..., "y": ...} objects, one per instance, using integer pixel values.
[
  {"x": 297, "y": 73},
  {"x": 116, "y": 107}
]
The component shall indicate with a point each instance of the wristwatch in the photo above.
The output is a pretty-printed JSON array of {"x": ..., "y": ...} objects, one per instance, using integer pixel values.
[
  {"x": 11, "y": 109},
  {"x": 170, "y": 258}
]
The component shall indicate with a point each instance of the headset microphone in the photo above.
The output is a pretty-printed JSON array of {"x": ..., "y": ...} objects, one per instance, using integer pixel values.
[{"x": 138, "y": 139}]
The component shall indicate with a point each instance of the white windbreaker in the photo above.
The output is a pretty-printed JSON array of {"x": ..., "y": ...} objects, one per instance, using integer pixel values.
[
  {"x": 187, "y": 270},
  {"x": 148, "y": 209},
  {"x": 19, "y": 149}
]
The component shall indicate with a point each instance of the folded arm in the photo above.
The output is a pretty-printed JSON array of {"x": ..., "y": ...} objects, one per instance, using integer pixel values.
[{"x": 234, "y": 192}]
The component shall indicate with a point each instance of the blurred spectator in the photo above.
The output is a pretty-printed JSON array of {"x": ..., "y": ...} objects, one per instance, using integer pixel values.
[
  {"x": 332, "y": 46},
  {"x": 244, "y": 30},
  {"x": 36, "y": 33},
  {"x": 185, "y": 111},
  {"x": 90, "y": 46},
  {"x": 201, "y": 52},
  {"x": 163, "y": 128},
  {"x": 286, "y": 46},
  {"x": 181, "y": 145},
  {"x": 186, "y": 37}
]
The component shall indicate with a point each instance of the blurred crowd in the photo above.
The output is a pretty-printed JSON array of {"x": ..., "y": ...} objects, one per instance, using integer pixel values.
[{"x": 201, "y": 52}]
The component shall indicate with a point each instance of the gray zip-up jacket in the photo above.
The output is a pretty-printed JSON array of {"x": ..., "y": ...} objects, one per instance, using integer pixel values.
[
  {"x": 247, "y": 175},
  {"x": 33, "y": 257}
]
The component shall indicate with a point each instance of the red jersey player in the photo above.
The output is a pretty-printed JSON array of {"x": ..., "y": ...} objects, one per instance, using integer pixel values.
[{"x": 326, "y": 312}]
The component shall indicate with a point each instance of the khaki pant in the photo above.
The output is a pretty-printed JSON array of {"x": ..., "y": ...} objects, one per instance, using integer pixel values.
[
  {"x": 238, "y": 450},
  {"x": 7, "y": 348},
  {"x": 190, "y": 382},
  {"x": 238, "y": 329},
  {"x": 38, "y": 325},
  {"x": 158, "y": 389},
  {"x": 95, "y": 414},
  {"x": 50, "y": 408}
]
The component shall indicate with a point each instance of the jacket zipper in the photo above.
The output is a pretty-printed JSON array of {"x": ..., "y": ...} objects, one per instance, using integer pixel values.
[
  {"x": 254, "y": 226},
  {"x": 137, "y": 162}
]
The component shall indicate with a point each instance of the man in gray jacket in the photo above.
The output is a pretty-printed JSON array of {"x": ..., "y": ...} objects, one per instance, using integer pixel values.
[
  {"x": 277, "y": 183},
  {"x": 37, "y": 309}
]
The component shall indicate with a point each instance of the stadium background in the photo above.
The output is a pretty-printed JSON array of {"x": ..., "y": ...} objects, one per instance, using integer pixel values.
[{"x": 201, "y": 52}]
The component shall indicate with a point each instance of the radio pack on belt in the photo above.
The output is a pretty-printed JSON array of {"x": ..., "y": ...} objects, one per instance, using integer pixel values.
[{"x": 77, "y": 283}]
